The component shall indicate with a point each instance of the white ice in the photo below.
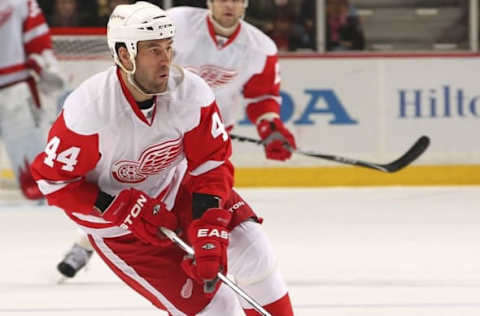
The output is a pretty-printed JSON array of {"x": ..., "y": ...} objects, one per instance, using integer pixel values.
[{"x": 391, "y": 251}]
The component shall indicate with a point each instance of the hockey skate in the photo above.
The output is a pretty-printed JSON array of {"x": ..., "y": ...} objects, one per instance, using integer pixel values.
[{"x": 74, "y": 261}]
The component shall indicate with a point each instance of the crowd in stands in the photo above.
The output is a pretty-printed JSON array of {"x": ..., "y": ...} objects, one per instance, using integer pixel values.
[{"x": 290, "y": 23}]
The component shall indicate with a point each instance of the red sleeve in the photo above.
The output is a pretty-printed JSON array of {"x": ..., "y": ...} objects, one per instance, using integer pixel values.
[
  {"x": 264, "y": 89},
  {"x": 60, "y": 170},
  {"x": 208, "y": 149},
  {"x": 36, "y": 34}
]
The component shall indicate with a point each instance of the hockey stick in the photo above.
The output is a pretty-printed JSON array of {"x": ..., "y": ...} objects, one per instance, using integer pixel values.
[
  {"x": 413, "y": 153},
  {"x": 189, "y": 250}
]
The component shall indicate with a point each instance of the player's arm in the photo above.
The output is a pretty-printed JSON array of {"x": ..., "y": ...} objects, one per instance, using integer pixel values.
[
  {"x": 61, "y": 168},
  {"x": 208, "y": 149},
  {"x": 38, "y": 49},
  {"x": 262, "y": 93},
  {"x": 61, "y": 171}
]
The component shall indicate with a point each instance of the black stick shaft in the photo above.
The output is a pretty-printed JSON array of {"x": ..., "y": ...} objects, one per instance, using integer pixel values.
[{"x": 408, "y": 157}]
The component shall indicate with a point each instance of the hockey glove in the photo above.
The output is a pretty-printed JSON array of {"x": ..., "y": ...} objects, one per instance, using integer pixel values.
[
  {"x": 45, "y": 66},
  {"x": 143, "y": 216},
  {"x": 209, "y": 237},
  {"x": 278, "y": 141},
  {"x": 27, "y": 184}
]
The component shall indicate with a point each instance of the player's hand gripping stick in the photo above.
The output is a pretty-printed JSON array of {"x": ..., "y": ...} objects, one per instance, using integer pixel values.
[{"x": 189, "y": 250}]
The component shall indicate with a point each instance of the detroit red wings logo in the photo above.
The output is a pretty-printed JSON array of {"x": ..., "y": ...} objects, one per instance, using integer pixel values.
[
  {"x": 215, "y": 76},
  {"x": 153, "y": 160},
  {"x": 5, "y": 14}
]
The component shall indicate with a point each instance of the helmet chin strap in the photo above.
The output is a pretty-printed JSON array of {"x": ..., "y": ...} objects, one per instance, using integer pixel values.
[
  {"x": 131, "y": 79},
  {"x": 178, "y": 79}
]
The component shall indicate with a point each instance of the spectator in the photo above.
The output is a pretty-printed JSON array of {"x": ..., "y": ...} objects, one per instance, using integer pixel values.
[
  {"x": 70, "y": 13},
  {"x": 343, "y": 27},
  {"x": 276, "y": 19},
  {"x": 107, "y": 10},
  {"x": 191, "y": 3},
  {"x": 46, "y": 6},
  {"x": 107, "y": 7},
  {"x": 263, "y": 13},
  {"x": 458, "y": 31},
  {"x": 281, "y": 32},
  {"x": 307, "y": 24}
]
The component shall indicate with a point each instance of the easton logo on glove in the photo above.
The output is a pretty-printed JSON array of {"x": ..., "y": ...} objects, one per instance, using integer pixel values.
[
  {"x": 209, "y": 238},
  {"x": 205, "y": 232},
  {"x": 136, "y": 209}
]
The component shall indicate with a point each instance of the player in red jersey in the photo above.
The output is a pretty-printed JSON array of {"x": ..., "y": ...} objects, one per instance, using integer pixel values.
[
  {"x": 142, "y": 146},
  {"x": 240, "y": 64},
  {"x": 26, "y": 64}
]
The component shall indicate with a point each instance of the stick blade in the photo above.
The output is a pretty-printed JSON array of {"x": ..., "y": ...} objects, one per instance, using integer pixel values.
[{"x": 412, "y": 154}]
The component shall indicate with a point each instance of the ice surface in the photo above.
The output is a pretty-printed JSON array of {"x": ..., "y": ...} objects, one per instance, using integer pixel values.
[{"x": 391, "y": 251}]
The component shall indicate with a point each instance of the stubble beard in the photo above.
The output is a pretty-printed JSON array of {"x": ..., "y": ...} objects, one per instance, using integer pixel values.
[{"x": 151, "y": 86}]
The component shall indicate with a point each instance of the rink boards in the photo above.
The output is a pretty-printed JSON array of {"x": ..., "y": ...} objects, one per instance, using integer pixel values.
[{"x": 369, "y": 107}]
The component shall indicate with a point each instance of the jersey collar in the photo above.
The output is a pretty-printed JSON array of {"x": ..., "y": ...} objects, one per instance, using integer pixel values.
[
  {"x": 211, "y": 31},
  {"x": 133, "y": 103}
]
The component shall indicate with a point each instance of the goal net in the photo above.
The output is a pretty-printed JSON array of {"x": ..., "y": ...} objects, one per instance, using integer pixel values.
[{"x": 81, "y": 52}]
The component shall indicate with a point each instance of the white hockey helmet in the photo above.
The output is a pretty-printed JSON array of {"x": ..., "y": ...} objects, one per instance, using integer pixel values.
[{"x": 132, "y": 23}]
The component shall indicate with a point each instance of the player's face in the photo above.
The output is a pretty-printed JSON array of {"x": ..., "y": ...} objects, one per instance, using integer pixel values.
[
  {"x": 153, "y": 64},
  {"x": 228, "y": 12}
]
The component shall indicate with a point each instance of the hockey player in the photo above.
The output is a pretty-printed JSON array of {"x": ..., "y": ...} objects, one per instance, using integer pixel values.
[
  {"x": 27, "y": 49},
  {"x": 141, "y": 146},
  {"x": 240, "y": 64}
]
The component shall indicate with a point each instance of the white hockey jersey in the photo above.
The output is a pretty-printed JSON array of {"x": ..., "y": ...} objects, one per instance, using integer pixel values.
[
  {"x": 102, "y": 141},
  {"x": 242, "y": 70},
  {"x": 23, "y": 31}
]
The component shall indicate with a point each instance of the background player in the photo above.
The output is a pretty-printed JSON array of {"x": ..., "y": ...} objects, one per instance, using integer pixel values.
[
  {"x": 27, "y": 50},
  {"x": 240, "y": 64}
]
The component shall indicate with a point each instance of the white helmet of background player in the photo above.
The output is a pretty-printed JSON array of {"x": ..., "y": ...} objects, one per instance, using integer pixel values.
[
  {"x": 217, "y": 24},
  {"x": 132, "y": 23}
]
